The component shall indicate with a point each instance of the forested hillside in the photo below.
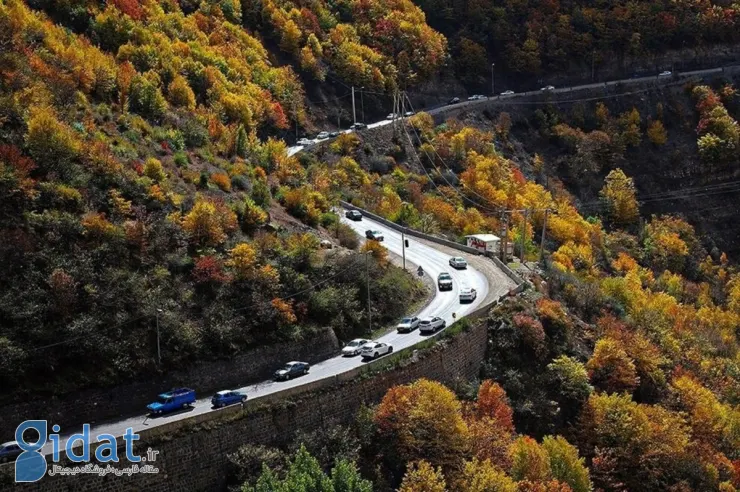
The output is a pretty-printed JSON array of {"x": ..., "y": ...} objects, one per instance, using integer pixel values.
[
  {"x": 135, "y": 189},
  {"x": 629, "y": 348},
  {"x": 144, "y": 188},
  {"x": 540, "y": 39}
]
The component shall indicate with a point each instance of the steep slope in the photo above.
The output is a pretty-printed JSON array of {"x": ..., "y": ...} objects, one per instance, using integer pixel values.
[{"x": 136, "y": 199}]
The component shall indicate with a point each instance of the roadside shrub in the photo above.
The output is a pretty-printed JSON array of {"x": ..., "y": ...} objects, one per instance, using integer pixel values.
[
  {"x": 181, "y": 160},
  {"x": 329, "y": 220},
  {"x": 347, "y": 237},
  {"x": 222, "y": 181},
  {"x": 245, "y": 466}
]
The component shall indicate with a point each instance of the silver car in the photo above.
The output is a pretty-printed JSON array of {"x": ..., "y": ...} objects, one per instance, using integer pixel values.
[
  {"x": 373, "y": 350},
  {"x": 322, "y": 135},
  {"x": 431, "y": 325},
  {"x": 458, "y": 263},
  {"x": 354, "y": 347},
  {"x": 407, "y": 325},
  {"x": 468, "y": 294}
]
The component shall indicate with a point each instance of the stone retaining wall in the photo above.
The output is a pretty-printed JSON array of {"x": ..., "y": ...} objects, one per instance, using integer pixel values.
[{"x": 192, "y": 453}]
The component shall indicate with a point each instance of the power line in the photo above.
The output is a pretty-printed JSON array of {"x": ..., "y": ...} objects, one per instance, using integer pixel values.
[
  {"x": 446, "y": 167},
  {"x": 87, "y": 335}
]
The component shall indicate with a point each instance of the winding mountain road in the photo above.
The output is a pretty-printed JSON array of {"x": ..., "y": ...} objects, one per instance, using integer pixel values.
[
  {"x": 517, "y": 97},
  {"x": 433, "y": 259}
]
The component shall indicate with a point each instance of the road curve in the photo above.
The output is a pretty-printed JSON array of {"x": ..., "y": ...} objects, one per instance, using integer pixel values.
[{"x": 443, "y": 304}]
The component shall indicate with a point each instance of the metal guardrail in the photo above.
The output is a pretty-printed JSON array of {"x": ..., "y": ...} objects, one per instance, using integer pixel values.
[{"x": 445, "y": 242}]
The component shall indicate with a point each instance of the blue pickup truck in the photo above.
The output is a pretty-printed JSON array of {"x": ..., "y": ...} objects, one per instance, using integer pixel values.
[{"x": 172, "y": 400}]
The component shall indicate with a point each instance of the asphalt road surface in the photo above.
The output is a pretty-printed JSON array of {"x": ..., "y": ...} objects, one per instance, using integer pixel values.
[{"x": 443, "y": 304}]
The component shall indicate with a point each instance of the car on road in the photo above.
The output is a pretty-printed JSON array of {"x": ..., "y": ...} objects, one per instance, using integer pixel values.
[
  {"x": 334, "y": 134},
  {"x": 391, "y": 116},
  {"x": 291, "y": 370},
  {"x": 507, "y": 93},
  {"x": 458, "y": 263},
  {"x": 476, "y": 97},
  {"x": 407, "y": 325},
  {"x": 353, "y": 215},
  {"x": 172, "y": 400},
  {"x": 374, "y": 235},
  {"x": 228, "y": 397},
  {"x": 373, "y": 350},
  {"x": 304, "y": 141},
  {"x": 548, "y": 88},
  {"x": 9, "y": 451},
  {"x": 322, "y": 135},
  {"x": 354, "y": 347},
  {"x": 666, "y": 73},
  {"x": 468, "y": 294},
  {"x": 444, "y": 281},
  {"x": 454, "y": 100},
  {"x": 431, "y": 325},
  {"x": 409, "y": 113},
  {"x": 358, "y": 126}
]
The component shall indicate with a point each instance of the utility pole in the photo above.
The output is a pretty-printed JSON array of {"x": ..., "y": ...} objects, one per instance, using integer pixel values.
[
  {"x": 593, "y": 55},
  {"x": 367, "y": 272},
  {"x": 505, "y": 253},
  {"x": 159, "y": 351},
  {"x": 524, "y": 234},
  {"x": 362, "y": 102},
  {"x": 339, "y": 122},
  {"x": 493, "y": 92},
  {"x": 542, "y": 240},
  {"x": 403, "y": 249},
  {"x": 295, "y": 117},
  {"x": 354, "y": 116}
]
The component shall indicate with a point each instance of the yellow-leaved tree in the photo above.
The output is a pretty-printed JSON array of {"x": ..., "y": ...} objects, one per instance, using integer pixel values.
[{"x": 619, "y": 197}]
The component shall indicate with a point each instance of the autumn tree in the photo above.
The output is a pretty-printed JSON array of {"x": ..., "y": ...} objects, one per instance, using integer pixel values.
[
  {"x": 180, "y": 94},
  {"x": 619, "y": 197},
  {"x": 422, "y": 477},
  {"x": 243, "y": 260},
  {"x": 153, "y": 170},
  {"x": 493, "y": 403},
  {"x": 423, "y": 420},
  {"x": 209, "y": 223},
  {"x": 611, "y": 369},
  {"x": 529, "y": 460},
  {"x": 566, "y": 465},
  {"x": 629, "y": 123},
  {"x": 50, "y": 142},
  {"x": 657, "y": 133},
  {"x": 482, "y": 476}
]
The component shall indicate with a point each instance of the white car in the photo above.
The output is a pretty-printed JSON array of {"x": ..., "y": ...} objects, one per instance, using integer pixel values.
[
  {"x": 667, "y": 73},
  {"x": 468, "y": 294},
  {"x": 458, "y": 263},
  {"x": 407, "y": 325},
  {"x": 322, "y": 135},
  {"x": 430, "y": 325},
  {"x": 507, "y": 93},
  {"x": 373, "y": 350},
  {"x": 409, "y": 113},
  {"x": 304, "y": 141},
  {"x": 391, "y": 116},
  {"x": 548, "y": 88},
  {"x": 354, "y": 347},
  {"x": 476, "y": 97}
]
